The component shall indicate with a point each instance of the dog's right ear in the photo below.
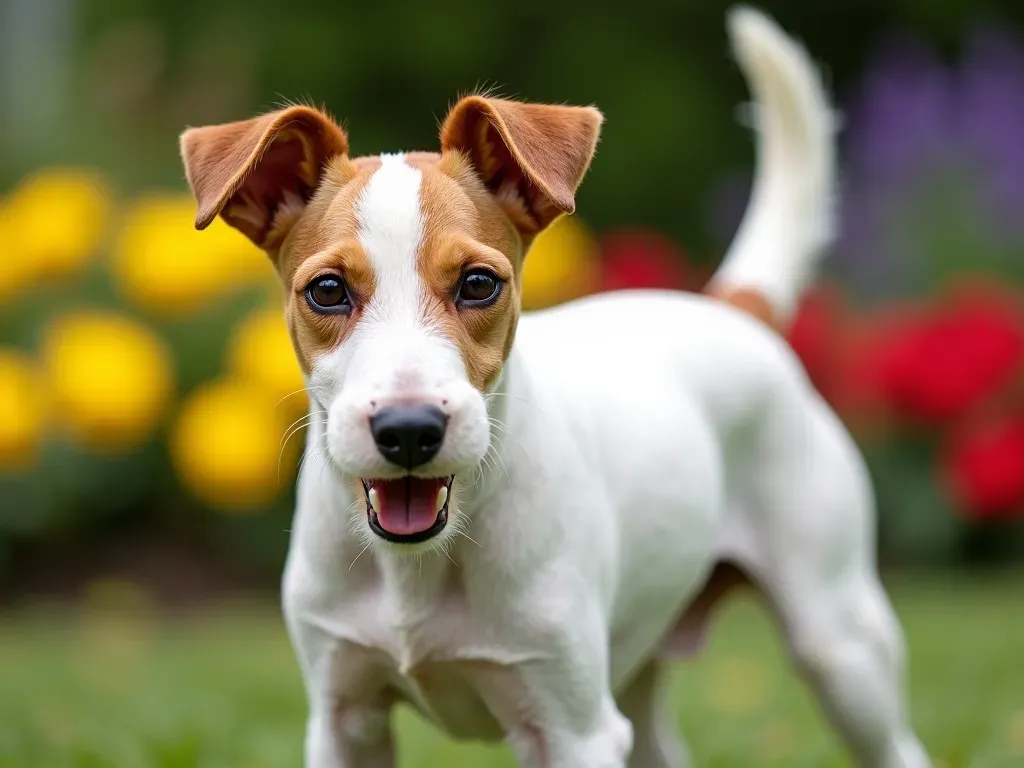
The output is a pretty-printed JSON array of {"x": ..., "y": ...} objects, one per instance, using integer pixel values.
[{"x": 259, "y": 174}]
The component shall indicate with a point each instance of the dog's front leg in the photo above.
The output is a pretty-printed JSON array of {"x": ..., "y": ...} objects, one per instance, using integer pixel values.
[
  {"x": 342, "y": 734},
  {"x": 557, "y": 708},
  {"x": 349, "y": 713},
  {"x": 606, "y": 743}
]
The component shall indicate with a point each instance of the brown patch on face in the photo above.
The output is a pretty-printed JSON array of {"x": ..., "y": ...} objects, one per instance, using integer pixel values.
[
  {"x": 325, "y": 241},
  {"x": 465, "y": 229}
]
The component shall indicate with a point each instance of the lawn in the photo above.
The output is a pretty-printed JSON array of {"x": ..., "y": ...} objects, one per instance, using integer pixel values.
[{"x": 108, "y": 684}]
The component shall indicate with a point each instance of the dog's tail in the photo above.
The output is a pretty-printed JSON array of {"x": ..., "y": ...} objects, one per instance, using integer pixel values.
[{"x": 788, "y": 222}]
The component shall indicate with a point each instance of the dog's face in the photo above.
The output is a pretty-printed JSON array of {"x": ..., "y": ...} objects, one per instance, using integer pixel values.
[{"x": 402, "y": 278}]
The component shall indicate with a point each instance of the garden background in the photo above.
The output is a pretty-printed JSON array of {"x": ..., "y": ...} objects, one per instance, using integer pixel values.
[{"x": 149, "y": 396}]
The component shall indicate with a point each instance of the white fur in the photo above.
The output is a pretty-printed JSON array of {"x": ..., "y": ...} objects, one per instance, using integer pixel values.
[
  {"x": 390, "y": 220},
  {"x": 643, "y": 437},
  {"x": 395, "y": 353},
  {"x": 789, "y": 219}
]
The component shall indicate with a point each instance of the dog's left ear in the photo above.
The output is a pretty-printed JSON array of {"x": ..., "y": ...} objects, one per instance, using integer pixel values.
[
  {"x": 532, "y": 157},
  {"x": 258, "y": 174}
]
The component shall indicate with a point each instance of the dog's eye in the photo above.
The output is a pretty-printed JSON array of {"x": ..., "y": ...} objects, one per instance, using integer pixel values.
[
  {"x": 328, "y": 294},
  {"x": 479, "y": 287}
]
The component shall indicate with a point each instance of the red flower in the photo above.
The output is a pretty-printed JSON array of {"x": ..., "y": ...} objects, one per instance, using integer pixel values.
[
  {"x": 637, "y": 258},
  {"x": 846, "y": 356},
  {"x": 984, "y": 466},
  {"x": 814, "y": 335},
  {"x": 956, "y": 356}
]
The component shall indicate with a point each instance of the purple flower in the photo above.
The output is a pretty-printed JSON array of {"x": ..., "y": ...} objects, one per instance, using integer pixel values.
[
  {"x": 900, "y": 117},
  {"x": 991, "y": 118},
  {"x": 932, "y": 178}
]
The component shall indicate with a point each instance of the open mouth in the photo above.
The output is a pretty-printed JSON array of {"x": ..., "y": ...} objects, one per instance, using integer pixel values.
[{"x": 409, "y": 509}]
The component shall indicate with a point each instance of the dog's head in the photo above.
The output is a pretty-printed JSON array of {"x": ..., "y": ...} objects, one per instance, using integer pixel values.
[{"x": 401, "y": 276}]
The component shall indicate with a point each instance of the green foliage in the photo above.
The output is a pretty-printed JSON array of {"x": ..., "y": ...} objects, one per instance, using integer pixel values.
[
  {"x": 660, "y": 72},
  {"x": 916, "y": 521}
]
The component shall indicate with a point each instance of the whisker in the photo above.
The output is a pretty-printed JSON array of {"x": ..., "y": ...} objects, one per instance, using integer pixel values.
[
  {"x": 497, "y": 456},
  {"x": 305, "y": 459},
  {"x": 499, "y": 423},
  {"x": 297, "y": 426},
  {"x": 293, "y": 430},
  {"x": 490, "y": 467},
  {"x": 359, "y": 555},
  {"x": 292, "y": 394},
  {"x": 506, "y": 430},
  {"x": 514, "y": 397},
  {"x": 326, "y": 463},
  {"x": 315, "y": 451},
  {"x": 460, "y": 532},
  {"x": 478, "y": 475},
  {"x": 353, "y": 522},
  {"x": 444, "y": 548}
]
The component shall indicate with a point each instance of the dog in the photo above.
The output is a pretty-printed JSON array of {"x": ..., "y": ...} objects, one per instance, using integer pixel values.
[{"x": 513, "y": 523}]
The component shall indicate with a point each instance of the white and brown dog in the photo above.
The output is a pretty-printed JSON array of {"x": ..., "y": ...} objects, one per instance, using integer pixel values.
[{"x": 509, "y": 522}]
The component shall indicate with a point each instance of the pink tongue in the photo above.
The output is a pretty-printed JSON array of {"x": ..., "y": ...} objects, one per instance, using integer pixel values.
[{"x": 407, "y": 506}]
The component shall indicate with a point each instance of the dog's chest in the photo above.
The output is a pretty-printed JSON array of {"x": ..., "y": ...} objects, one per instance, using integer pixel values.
[
  {"x": 467, "y": 699},
  {"x": 446, "y": 662}
]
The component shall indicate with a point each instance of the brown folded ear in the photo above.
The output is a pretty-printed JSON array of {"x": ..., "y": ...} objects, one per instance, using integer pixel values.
[
  {"x": 532, "y": 157},
  {"x": 260, "y": 173}
]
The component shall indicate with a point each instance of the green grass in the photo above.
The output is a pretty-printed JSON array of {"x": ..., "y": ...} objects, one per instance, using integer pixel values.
[{"x": 105, "y": 686}]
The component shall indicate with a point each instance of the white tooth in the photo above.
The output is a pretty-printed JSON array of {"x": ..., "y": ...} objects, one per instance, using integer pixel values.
[
  {"x": 442, "y": 498},
  {"x": 374, "y": 498}
]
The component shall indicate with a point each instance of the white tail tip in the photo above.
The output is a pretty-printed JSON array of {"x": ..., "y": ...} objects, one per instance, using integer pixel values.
[{"x": 789, "y": 219}]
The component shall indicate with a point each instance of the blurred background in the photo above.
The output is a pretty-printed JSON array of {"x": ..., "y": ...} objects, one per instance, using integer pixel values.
[{"x": 150, "y": 404}]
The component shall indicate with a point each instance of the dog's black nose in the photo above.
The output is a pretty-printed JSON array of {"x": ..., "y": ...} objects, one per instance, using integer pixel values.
[{"x": 408, "y": 435}]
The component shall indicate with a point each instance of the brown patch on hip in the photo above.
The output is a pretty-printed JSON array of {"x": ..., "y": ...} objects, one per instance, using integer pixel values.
[{"x": 750, "y": 300}]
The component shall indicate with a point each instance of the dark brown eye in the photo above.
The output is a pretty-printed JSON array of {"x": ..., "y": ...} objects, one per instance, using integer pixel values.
[
  {"x": 479, "y": 288},
  {"x": 328, "y": 294}
]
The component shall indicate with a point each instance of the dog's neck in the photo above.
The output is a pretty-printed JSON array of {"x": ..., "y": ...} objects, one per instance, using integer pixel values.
[{"x": 504, "y": 398}]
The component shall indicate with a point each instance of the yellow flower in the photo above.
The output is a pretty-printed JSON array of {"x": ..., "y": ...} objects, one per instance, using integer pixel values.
[
  {"x": 21, "y": 410},
  {"x": 162, "y": 263},
  {"x": 111, "y": 379},
  {"x": 14, "y": 269},
  {"x": 55, "y": 221},
  {"x": 561, "y": 265},
  {"x": 226, "y": 445},
  {"x": 260, "y": 351}
]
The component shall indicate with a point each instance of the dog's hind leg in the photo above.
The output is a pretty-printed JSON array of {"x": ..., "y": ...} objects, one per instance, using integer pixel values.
[
  {"x": 644, "y": 702},
  {"x": 812, "y": 515},
  {"x": 849, "y": 646}
]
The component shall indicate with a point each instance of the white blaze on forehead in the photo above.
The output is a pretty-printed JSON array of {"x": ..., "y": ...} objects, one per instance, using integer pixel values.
[
  {"x": 390, "y": 230},
  {"x": 395, "y": 350}
]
